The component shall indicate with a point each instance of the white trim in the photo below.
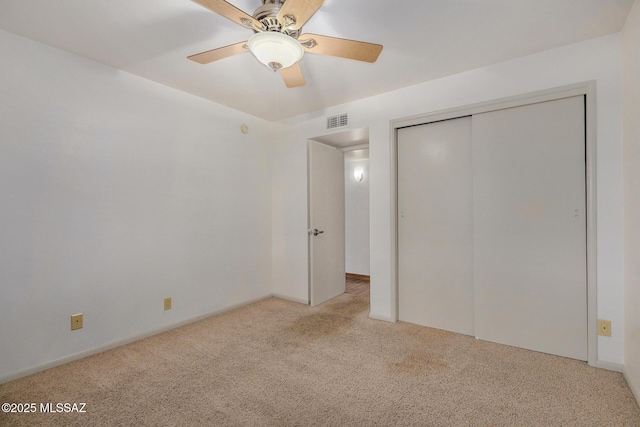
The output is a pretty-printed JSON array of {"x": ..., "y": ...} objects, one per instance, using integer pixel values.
[
  {"x": 584, "y": 88},
  {"x": 292, "y": 299},
  {"x": 497, "y": 104},
  {"x": 124, "y": 341},
  {"x": 609, "y": 366},
  {"x": 592, "y": 225},
  {"x": 309, "y": 246},
  {"x": 355, "y": 147},
  {"x": 393, "y": 191},
  {"x": 635, "y": 388},
  {"x": 381, "y": 317}
]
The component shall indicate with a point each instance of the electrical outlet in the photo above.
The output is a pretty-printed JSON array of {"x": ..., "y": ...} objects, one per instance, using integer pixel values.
[
  {"x": 604, "y": 328},
  {"x": 167, "y": 303},
  {"x": 76, "y": 321}
]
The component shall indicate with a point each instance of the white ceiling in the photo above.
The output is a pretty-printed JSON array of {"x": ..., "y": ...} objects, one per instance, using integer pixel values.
[{"x": 423, "y": 40}]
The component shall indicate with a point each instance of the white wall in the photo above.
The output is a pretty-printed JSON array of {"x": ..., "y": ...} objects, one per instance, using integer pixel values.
[
  {"x": 356, "y": 209},
  {"x": 631, "y": 131},
  {"x": 597, "y": 59},
  {"x": 117, "y": 192},
  {"x": 290, "y": 217}
]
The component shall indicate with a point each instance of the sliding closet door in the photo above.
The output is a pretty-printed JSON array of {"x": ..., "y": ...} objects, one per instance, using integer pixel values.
[
  {"x": 435, "y": 286},
  {"x": 529, "y": 231}
]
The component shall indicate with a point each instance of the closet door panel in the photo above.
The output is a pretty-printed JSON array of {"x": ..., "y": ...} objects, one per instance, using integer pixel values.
[
  {"x": 434, "y": 225},
  {"x": 529, "y": 227}
]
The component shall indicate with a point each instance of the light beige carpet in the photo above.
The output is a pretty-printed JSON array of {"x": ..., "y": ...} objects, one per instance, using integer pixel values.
[{"x": 278, "y": 363}]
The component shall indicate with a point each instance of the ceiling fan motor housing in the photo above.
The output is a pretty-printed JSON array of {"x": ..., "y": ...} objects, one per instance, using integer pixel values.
[
  {"x": 270, "y": 8},
  {"x": 267, "y": 16}
]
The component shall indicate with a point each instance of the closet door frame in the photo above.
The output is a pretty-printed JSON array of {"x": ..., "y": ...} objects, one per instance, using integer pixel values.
[{"x": 588, "y": 90}]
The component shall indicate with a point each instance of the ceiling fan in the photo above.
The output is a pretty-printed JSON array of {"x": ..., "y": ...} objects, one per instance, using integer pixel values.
[{"x": 277, "y": 41}]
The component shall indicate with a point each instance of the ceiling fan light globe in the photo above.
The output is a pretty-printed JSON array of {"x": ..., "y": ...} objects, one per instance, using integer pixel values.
[{"x": 273, "y": 47}]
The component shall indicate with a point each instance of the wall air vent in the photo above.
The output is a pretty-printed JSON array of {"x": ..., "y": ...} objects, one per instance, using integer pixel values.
[{"x": 338, "y": 121}]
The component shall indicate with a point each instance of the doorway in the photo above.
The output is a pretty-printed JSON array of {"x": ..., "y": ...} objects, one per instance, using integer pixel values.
[
  {"x": 357, "y": 254},
  {"x": 350, "y": 149}
]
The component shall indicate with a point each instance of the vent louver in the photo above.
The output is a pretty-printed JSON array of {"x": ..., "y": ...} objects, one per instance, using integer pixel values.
[{"x": 337, "y": 121}]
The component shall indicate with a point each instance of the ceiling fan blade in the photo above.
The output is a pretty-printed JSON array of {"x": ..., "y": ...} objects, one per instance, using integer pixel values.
[
  {"x": 292, "y": 76},
  {"x": 343, "y": 48},
  {"x": 219, "y": 53},
  {"x": 231, "y": 12},
  {"x": 300, "y": 10}
]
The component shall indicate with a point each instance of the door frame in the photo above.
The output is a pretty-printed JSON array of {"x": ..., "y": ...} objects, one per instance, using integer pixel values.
[{"x": 588, "y": 89}]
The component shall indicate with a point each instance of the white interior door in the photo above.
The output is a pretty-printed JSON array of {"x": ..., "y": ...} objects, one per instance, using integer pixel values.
[
  {"x": 530, "y": 227},
  {"x": 435, "y": 265},
  {"x": 326, "y": 217}
]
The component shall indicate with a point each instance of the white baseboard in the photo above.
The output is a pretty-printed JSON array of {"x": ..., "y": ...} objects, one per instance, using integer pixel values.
[
  {"x": 293, "y": 299},
  {"x": 121, "y": 342},
  {"x": 380, "y": 317},
  {"x": 609, "y": 366},
  {"x": 635, "y": 387}
]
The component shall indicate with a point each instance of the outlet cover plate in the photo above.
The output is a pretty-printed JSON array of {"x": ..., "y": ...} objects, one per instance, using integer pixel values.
[
  {"x": 604, "y": 328},
  {"x": 76, "y": 321},
  {"x": 167, "y": 303}
]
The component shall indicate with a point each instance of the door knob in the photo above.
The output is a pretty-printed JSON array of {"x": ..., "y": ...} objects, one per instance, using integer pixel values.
[{"x": 315, "y": 231}]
